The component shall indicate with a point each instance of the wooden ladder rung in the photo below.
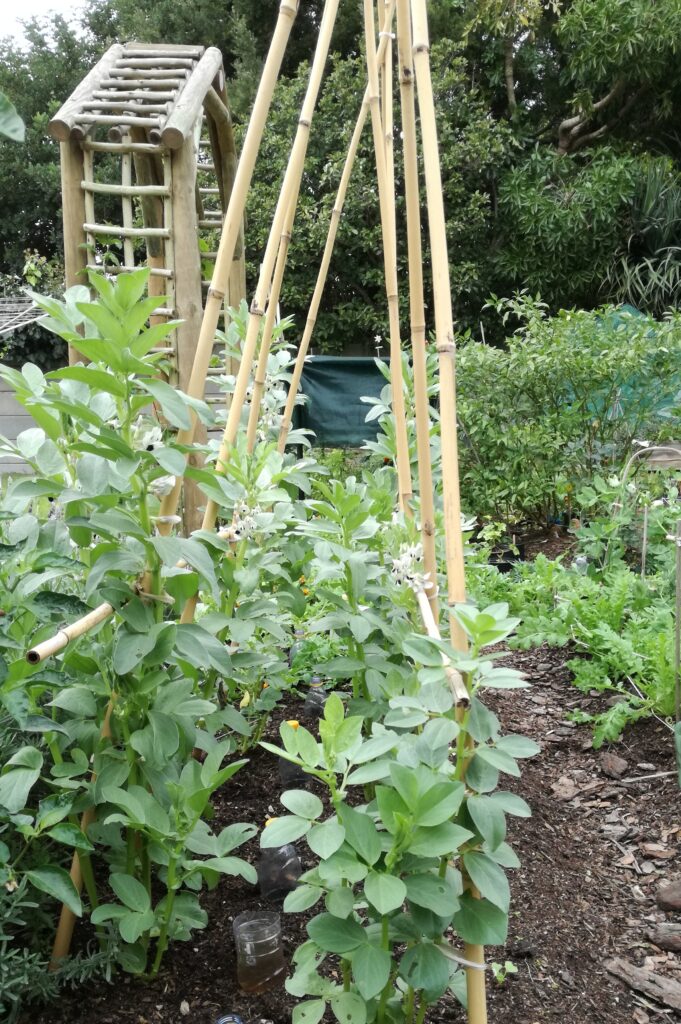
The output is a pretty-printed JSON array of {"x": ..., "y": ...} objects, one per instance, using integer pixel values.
[
  {"x": 124, "y": 190},
  {"x": 133, "y": 94},
  {"x": 133, "y": 122},
  {"x": 163, "y": 63},
  {"x": 119, "y": 147},
  {"x": 134, "y": 106},
  {"x": 208, "y": 224},
  {"x": 120, "y": 232},
  {"x": 121, "y": 268},
  {"x": 209, "y": 191}
]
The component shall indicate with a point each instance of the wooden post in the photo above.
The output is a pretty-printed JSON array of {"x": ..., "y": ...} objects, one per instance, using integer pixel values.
[
  {"x": 336, "y": 214},
  {"x": 73, "y": 213},
  {"x": 187, "y": 278},
  {"x": 416, "y": 300},
  {"x": 387, "y": 205},
  {"x": 231, "y": 231}
]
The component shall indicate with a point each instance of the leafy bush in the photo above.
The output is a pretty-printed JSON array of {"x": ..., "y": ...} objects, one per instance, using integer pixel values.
[{"x": 564, "y": 400}]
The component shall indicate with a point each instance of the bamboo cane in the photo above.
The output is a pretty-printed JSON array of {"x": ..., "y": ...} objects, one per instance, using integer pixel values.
[
  {"x": 289, "y": 190},
  {"x": 444, "y": 325},
  {"x": 231, "y": 231},
  {"x": 444, "y": 330},
  {"x": 336, "y": 214},
  {"x": 67, "y": 919},
  {"x": 416, "y": 300},
  {"x": 454, "y": 677},
  {"x": 387, "y": 202},
  {"x": 59, "y": 641},
  {"x": 266, "y": 340}
]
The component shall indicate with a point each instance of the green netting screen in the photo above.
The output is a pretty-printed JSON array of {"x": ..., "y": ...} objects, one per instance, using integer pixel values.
[{"x": 333, "y": 387}]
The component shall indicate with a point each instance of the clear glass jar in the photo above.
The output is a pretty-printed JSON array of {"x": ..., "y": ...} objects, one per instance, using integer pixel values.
[
  {"x": 278, "y": 872},
  {"x": 259, "y": 957}
]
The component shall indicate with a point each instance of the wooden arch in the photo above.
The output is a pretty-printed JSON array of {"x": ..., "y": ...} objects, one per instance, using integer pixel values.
[{"x": 148, "y": 158}]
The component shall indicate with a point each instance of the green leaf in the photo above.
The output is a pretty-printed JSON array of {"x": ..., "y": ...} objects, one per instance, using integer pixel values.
[
  {"x": 326, "y": 838},
  {"x": 302, "y": 803},
  {"x": 384, "y": 892},
  {"x": 518, "y": 746},
  {"x": 488, "y": 878},
  {"x": 11, "y": 124},
  {"x": 15, "y": 785},
  {"x": 309, "y": 1012},
  {"x": 425, "y": 969},
  {"x": 511, "y": 804},
  {"x": 173, "y": 406},
  {"x": 133, "y": 925},
  {"x": 334, "y": 934},
  {"x": 439, "y": 803},
  {"x": 488, "y": 818},
  {"x": 57, "y": 882},
  {"x": 498, "y": 759},
  {"x": 349, "y": 1008},
  {"x": 439, "y": 841},
  {"x": 340, "y": 902},
  {"x": 370, "y": 969},
  {"x": 284, "y": 830},
  {"x": 432, "y": 892},
  {"x": 480, "y": 922},
  {"x": 130, "y": 892},
  {"x": 361, "y": 834},
  {"x": 70, "y": 835},
  {"x": 302, "y": 898},
  {"x": 97, "y": 380},
  {"x": 308, "y": 748}
]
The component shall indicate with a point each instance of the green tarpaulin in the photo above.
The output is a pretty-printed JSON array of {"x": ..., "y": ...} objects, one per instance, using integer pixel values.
[{"x": 333, "y": 387}]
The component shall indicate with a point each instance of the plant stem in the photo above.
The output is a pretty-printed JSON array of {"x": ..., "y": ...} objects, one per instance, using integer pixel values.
[
  {"x": 409, "y": 1006},
  {"x": 170, "y": 901},
  {"x": 387, "y": 988},
  {"x": 423, "y": 1006}
]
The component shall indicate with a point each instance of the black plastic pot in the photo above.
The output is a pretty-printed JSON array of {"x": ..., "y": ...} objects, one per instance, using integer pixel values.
[{"x": 504, "y": 559}]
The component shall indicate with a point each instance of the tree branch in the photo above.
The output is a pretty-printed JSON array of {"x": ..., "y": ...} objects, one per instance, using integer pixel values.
[
  {"x": 572, "y": 127},
  {"x": 509, "y": 76}
]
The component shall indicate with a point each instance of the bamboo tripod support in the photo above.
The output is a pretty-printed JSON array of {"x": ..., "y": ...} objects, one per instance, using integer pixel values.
[
  {"x": 416, "y": 299},
  {"x": 444, "y": 331},
  {"x": 67, "y": 919},
  {"x": 336, "y": 215},
  {"x": 288, "y": 194},
  {"x": 387, "y": 207},
  {"x": 266, "y": 340},
  {"x": 231, "y": 232}
]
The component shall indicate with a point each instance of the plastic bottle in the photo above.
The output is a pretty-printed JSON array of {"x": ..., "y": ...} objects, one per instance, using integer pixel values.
[
  {"x": 296, "y": 646},
  {"x": 315, "y": 699},
  {"x": 292, "y": 775},
  {"x": 278, "y": 870},
  {"x": 259, "y": 957}
]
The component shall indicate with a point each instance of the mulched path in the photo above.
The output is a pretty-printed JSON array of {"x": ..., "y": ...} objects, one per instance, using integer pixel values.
[{"x": 593, "y": 856}]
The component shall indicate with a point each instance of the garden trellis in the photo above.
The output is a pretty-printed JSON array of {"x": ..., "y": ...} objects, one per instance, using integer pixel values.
[
  {"x": 150, "y": 100},
  {"x": 148, "y": 131}
]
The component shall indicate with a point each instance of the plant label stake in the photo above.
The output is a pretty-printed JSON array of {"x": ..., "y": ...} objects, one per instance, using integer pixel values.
[{"x": 677, "y": 652}]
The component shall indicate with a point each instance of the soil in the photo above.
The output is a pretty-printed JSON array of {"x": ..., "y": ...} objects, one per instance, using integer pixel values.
[{"x": 593, "y": 856}]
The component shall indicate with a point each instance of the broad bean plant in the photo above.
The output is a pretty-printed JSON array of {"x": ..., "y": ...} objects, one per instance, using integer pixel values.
[{"x": 414, "y": 850}]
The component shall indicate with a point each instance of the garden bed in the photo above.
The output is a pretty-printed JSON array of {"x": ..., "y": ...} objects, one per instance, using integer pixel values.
[{"x": 593, "y": 857}]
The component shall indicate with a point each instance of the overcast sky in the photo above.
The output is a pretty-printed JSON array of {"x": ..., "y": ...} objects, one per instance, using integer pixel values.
[{"x": 13, "y": 12}]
